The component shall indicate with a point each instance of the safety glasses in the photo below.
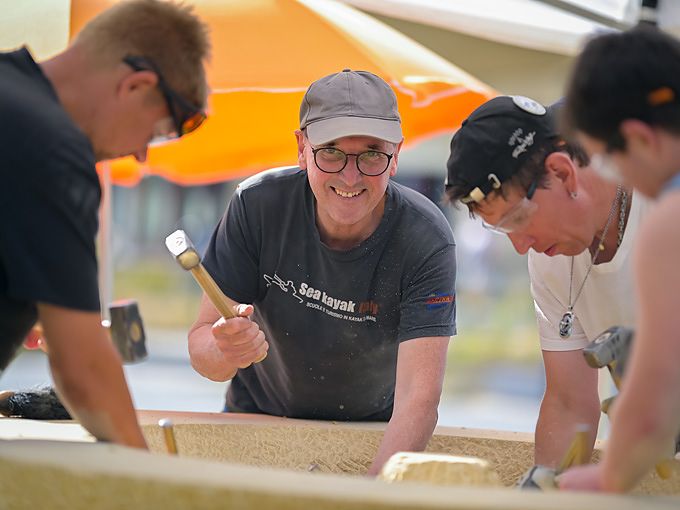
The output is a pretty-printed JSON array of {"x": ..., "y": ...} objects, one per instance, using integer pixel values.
[
  {"x": 518, "y": 217},
  {"x": 185, "y": 116}
]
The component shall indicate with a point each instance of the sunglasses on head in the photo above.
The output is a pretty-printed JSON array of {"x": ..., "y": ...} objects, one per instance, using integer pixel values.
[{"x": 185, "y": 116}]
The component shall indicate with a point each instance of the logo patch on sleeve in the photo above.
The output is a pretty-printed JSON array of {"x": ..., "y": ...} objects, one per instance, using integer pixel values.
[{"x": 438, "y": 301}]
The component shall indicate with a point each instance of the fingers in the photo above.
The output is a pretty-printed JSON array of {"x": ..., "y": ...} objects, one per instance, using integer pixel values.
[
  {"x": 580, "y": 478},
  {"x": 239, "y": 339},
  {"x": 244, "y": 310}
]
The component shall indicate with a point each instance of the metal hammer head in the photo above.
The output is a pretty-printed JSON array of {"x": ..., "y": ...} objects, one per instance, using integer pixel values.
[
  {"x": 127, "y": 330},
  {"x": 179, "y": 244},
  {"x": 611, "y": 346}
]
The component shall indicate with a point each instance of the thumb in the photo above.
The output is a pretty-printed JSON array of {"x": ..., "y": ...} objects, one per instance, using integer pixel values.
[{"x": 244, "y": 310}]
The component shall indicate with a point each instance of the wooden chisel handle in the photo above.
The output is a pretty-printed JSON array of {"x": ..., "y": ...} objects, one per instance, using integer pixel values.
[
  {"x": 576, "y": 454},
  {"x": 169, "y": 435},
  {"x": 665, "y": 469}
]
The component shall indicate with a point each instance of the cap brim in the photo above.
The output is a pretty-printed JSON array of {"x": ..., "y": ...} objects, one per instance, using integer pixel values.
[{"x": 327, "y": 130}]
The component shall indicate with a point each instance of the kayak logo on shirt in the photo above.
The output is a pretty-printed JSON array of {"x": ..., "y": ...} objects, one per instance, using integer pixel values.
[
  {"x": 331, "y": 302},
  {"x": 438, "y": 301},
  {"x": 318, "y": 300},
  {"x": 284, "y": 286}
]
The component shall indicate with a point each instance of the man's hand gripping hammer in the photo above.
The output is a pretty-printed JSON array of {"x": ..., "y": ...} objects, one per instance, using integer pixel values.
[
  {"x": 181, "y": 247},
  {"x": 611, "y": 349}
]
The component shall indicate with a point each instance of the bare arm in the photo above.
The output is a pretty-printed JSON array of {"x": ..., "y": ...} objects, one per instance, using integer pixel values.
[
  {"x": 570, "y": 399},
  {"x": 646, "y": 416},
  {"x": 88, "y": 374},
  {"x": 420, "y": 374},
  {"x": 219, "y": 347}
]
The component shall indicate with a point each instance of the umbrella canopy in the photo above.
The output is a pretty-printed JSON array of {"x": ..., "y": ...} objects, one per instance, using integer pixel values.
[{"x": 265, "y": 55}]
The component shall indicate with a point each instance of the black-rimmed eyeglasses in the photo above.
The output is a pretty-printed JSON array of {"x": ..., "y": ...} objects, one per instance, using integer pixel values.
[
  {"x": 185, "y": 116},
  {"x": 332, "y": 161}
]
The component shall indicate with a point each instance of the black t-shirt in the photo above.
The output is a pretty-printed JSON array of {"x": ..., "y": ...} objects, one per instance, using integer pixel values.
[
  {"x": 49, "y": 199},
  {"x": 333, "y": 319}
]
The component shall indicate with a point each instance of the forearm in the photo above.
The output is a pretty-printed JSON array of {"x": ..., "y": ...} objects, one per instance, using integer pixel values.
[
  {"x": 409, "y": 429},
  {"x": 205, "y": 356},
  {"x": 94, "y": 391},
  {"x": 645, "y": 420},
  {"x": 556, "y": 426}
]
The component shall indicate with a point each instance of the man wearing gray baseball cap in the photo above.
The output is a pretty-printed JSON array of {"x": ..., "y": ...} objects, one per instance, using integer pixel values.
[{"x": 348, "y": 277}]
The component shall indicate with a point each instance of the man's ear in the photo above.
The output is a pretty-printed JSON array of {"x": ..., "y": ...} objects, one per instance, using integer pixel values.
[
  {"x": 302, "y": 160},
  {"x": 561, "y": 166},
  {"x": 639, "y": 135},
  {"x": 395, "y": 159},
  {"x": 137, "y": 84}
]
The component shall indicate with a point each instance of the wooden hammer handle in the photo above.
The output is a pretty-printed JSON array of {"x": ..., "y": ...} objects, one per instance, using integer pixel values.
[{"x": 223, "y": 304}]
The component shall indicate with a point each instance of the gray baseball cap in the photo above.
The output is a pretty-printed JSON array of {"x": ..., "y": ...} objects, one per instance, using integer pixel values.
[{"x": 350, "y": 103}]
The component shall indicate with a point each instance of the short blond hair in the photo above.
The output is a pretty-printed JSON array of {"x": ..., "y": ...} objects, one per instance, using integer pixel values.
[{"x": 168, "y": 33}]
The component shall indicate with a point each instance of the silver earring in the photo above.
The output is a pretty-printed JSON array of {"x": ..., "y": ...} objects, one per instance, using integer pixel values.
[{"x": 573, "y": 194}]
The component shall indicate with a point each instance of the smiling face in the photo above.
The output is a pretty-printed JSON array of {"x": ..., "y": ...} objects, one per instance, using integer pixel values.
[{"x": 349, "y": 205}]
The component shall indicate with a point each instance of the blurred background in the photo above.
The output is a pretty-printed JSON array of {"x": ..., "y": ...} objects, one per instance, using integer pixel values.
[{"x": 494, "y": 375}]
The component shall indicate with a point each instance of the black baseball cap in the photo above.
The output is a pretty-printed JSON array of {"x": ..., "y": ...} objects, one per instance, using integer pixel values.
[{"x": 495, "y": 141}]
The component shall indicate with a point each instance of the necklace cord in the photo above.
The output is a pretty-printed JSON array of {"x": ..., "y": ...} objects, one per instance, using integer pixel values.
[{"x": 621, "y": 195}]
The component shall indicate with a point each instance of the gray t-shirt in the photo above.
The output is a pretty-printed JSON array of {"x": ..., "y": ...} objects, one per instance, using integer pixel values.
[{"x": 333, "y": 319}]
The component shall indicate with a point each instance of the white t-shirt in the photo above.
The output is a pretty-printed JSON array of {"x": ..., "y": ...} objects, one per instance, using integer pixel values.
[{"x": 607, "y": 299}]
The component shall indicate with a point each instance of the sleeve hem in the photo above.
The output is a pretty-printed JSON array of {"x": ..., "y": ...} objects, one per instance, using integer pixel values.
[
  {"x": 548, "y": 344},
  {"x": 426, "y": 332}
]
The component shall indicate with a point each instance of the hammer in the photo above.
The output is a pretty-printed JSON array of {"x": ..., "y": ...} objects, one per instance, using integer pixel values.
[
  {"x": 611, "y": 349},
  {"x": 42, "y": 403},
  {"x": 181, "y": 247},
  {"x": 127, "y": 330}
]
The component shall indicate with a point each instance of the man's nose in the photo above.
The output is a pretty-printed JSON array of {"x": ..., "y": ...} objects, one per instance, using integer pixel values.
[
  {"x": 351, "y": 173},
  {"x": 521, "y": 242},
  {"x": 140, "y": 155}
]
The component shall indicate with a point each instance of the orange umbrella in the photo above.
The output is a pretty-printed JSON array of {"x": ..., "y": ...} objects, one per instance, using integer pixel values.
[{"x": 265, "y": 55}]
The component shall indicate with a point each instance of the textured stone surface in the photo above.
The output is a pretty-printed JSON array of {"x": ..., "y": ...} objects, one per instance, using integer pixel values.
[
  {"x": 346, "y": 448},
  {"x": 438, "y": 469},
  {"x": 249, "y": 451},
  {"x": 52, "y": 475}
]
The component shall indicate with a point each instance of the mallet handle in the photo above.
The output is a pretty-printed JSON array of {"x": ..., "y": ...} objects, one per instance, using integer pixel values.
[{"x": 223, "y": 304}]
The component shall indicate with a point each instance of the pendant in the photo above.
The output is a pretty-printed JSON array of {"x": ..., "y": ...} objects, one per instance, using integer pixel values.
[{"x": 566, "y": 324}]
